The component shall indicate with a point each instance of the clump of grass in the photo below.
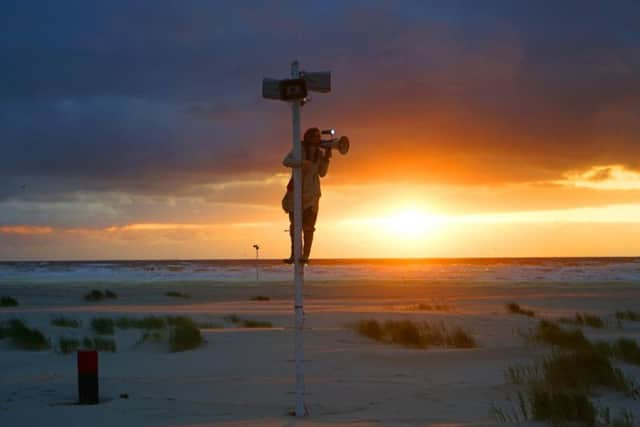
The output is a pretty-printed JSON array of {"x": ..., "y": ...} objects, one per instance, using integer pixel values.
[
  {"x": 558, "y": 386},
  {"x": 155, "y": 337},
  {"x": 260, "y": 298},
  {"x": 184, "y": 334},
  {"x": 551, "y": 333},
  {"x": 626, "y": 350},
  {"x": 180, "y": 320},
  {"x": 104, "y": 344},
  {"x": 65, "y": 322},
  {"x": 625, "y": 419},
  {"x": 94, "y": 295},
  {"x": 414, "y": 334},
  {"x": 148, "y": 322},
  {"x": 514, "y": 308},
  {"x": 406, "y": 333},
  {"x": 98, "y": 295},
  {"x": 176, "y": 294},
  {"x": 584, "y": 319},
  {"x": 523, "y": 374},
  {"x": 102, "y": 325},
  {"x": 99, "y": 344},
  {"x": 247, "y": 323},
  {"x": 561, "y": 407},
  {"x": 68, "y": 345},
  {"x": 371, "y": 329},
  {"x": 633, "y": 316},
  {"x": 22, "y": 336},
  {"x": 582, "y": 370},
  {"x": 6, "y": 301},
  {"x": 459, "y": 338}
]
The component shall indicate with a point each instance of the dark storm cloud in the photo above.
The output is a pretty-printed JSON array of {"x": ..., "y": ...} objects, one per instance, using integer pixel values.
[{"x": 155, "y": 97}]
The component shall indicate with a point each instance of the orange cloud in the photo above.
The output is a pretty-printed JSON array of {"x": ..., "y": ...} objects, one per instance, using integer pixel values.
[
  {"x": 25, "y": 229},
  {"x": 605, "y": 177},
  {"x": 176, "y": 226}
]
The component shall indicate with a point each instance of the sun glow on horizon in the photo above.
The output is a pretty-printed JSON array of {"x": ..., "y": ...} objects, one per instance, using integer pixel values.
[
  {"x": 408, "y": 223},
  {"x": 412, "y": 222}
]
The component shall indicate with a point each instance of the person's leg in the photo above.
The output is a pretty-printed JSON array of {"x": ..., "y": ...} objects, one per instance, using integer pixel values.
[
  {"x": 309, "y": 218},
  {"x": 290, "y": 259}
]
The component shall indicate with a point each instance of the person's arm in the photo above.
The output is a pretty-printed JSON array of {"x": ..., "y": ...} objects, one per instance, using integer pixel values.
[
  {"x": 289, "y": 161},
  {"x": 323, "y": 163}
]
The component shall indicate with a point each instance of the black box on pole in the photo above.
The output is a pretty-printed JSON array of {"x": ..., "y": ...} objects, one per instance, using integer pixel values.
[{"x": 88, "y": 377}]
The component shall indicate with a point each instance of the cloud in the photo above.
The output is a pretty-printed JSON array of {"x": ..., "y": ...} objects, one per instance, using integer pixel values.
[
  {"x": 608, "y": 177},
  {"x": 24, "y": 229},
  {"x": 164, "y": 100}
]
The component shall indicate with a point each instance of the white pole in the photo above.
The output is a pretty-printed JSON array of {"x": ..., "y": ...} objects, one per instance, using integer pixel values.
[{"x": 298, "y": 270}]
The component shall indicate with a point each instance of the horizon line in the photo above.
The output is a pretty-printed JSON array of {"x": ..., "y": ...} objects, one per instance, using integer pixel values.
[{"x": 324, "y": 260}]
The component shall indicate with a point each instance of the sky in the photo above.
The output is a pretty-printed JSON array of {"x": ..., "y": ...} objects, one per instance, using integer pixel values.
[{"x": 136, "y": 129}]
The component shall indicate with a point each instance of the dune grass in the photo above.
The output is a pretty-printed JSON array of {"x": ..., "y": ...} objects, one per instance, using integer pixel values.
[
  {"x": 22, "y": 336},
  {"x": 149, "y": 336},
  {"x": 98, "y": 295},
  {"x": 412, "y": 334},
  {"x": 629, "y": 315},
  {"x": 99, "y": 344},
  {"x": 184, "y": 334},
  {"x": 514, "y": 308},
  {"x": 247, "y": 323},
  {"x": 561, "y": 407},
  {"x": 102, "y": 325},
  {"x": 624, "y": 419},
  {"x": 584, "y": 319},
  {"x": 260, "y": 298},
  {"x": 624, "y": 349},
  {"x": 559, "y": 386},
  {"x": 65, "y": 322},
  {"x": 582, "y": 370},
  {"x": 7, "y": 301},
  {"x": 68, "y": 345},
  {"x": 147, "y": 322},
  {"x": 176, "y": 294},
  {"x": 551, "y": 333}
]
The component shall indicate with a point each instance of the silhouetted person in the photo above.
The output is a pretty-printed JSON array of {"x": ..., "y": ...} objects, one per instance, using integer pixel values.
[{"x": 315, "y": 163}]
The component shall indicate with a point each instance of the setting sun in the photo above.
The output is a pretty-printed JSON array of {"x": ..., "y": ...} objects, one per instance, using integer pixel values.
[{"x": 411, "y": 223}]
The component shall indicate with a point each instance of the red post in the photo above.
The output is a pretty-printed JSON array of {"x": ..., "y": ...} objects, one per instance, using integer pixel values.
[{"x": 88, "y": 377}]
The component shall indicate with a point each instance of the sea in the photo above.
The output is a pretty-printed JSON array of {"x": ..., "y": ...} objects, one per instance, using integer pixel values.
[{"x": 507, "y": 271}]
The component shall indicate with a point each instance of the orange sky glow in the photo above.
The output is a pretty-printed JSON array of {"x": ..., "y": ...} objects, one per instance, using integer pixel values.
[
  {"x": 483, "y": 130},
  {"x": 381, "y": 221}
]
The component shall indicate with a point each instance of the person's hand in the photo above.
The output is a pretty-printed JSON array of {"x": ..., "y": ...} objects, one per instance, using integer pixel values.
[{"x": 306, "y": 165}]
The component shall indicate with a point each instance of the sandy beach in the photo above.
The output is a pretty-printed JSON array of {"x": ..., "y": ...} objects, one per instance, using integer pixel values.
[{"x": 245, "y": 376}]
